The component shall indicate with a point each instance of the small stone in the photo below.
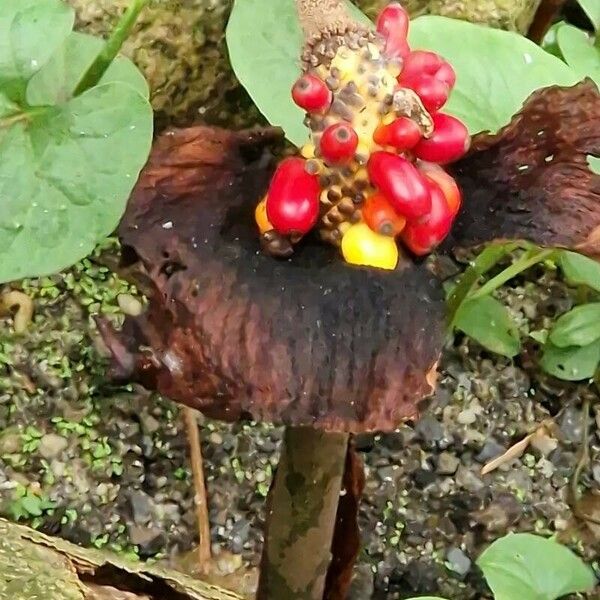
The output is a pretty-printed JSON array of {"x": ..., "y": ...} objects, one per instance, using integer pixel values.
[
  {"x": 490, "y": 450},
  {"x": 52, "y": 445},
  {"x": 429, "y": 429},
  {"x": 571, "y": 425},
  {"x": 447, "y": 464},
  {"x": 423, "y": 478},
  {"x": 10, "y": 443},
  {"x": 596, "y": 472},
  {"x": 215, "y": 438},
  {"x": 544, "y": 443},
  {"x": 467, "y": 479},
  {"x": 150, "y": 425},
  {"x": 130, "y": 305},
  {"x": 141, "y": 506},
  {"x": 466, "y": 417},
  {"x": 458, "y": 561},
  {"x": 149, "y": 540}
]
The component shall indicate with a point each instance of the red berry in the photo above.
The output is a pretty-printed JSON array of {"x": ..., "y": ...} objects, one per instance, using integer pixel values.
[
  {"x": 311, "y": 94},
  {"x": 403, "y": 134},
  {"x": 401, "y": 183},
  {"x": 338, "y": 143},
  {"x": 420, "y": 62},
  {"x": 380, "y": 216},
  {"x": 449, "y": 142},
  {"x": 392, "y": 24},
  {"x": 446, "y": 74},
  {"x": 433, "y": 92},
  {"x": 446, "y": 182},
  {"x": 293, "y": 198},
  {"x": 423, "y": 235}
]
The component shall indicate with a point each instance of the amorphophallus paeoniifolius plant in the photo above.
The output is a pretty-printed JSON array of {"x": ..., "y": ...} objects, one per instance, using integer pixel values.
[{"x": 325, "y": 347}]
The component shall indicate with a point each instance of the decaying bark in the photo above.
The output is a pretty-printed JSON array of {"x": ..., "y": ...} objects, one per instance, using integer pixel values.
[
  {"x": 302, "y": 507},
  {"x": 33, "y": 565}
]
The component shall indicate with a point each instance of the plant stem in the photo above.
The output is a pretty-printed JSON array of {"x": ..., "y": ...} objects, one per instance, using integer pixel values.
[
  {"x": 191, "y": 426},
  {"x": 21, "y": 116},
  {"x": 301, "y": 515},
  {"x": 524, "y": 263},
  {"x": 486, "y": 260},
  {"x": 111, "y": 47}
]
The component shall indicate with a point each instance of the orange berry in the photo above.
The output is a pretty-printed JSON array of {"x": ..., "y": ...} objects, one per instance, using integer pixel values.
[
  {"x": 446, "y": 182},
  {"x": 260, "y": 216},
  {"x": 381, "y": 217}
]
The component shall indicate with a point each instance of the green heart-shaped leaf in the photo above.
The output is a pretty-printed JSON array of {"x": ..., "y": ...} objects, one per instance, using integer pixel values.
[
  {"x": 574, "y": 363},
  {"x": 579, "y": 269},
  {"x": 65, "y": 175},
  {"x": 579, "y": 52},
  {"x": 496, "y": 70},
  {"x": 528, "y": 567},
  {"x": 30, "y": 32},
  {"x": 488, "y": 321},
  {"x": 578, "y": 327}
]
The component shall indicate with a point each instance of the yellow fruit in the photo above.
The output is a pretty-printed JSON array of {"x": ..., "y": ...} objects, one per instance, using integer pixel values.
[
  {"x": 362, "y": 246},
  {"x": 260, "y": 215}
]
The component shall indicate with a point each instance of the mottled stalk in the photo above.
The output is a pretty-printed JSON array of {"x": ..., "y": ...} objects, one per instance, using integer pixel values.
[
  {"x": 318, "y": 16},
  {"x": 303, "y": 504}
]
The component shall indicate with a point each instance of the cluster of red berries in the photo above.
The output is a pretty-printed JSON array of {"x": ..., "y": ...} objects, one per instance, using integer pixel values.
[{"x": 372, "y": 173}]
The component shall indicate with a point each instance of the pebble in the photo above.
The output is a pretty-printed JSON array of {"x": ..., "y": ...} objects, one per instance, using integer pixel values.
[
  {"x": 52, "y": 445},
  {"x": 458, "y": 561},
  {"x": 491, "y": 449},
  {"x": 571, "y": 425},
  {"x": 467, "y": 479},
  {"x": 130, "y": 305},
  {"x": 141, "y": 506},
  {"x": 467, "y": 417},
  {"x": 447, "y": 464},
  {"x": 429, "y": 429}
]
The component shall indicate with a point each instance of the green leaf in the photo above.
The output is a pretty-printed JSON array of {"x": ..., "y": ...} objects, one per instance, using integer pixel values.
[
  {"x": 496, "y": 70},
  {"x": 7, "y": 108},
  {"x": 427, "y": 598},
  {"x": 579, "y": 269},
  {"x": 56, "y": 81},
  {"x": 32, "y": 505},
  {"x": 550, "y": 42},
  {"x": 594, "y": 163},
  {"x": 30, "y": 31},
  {"x": 578, "y": 327},
  {"x": 528, "y": 567},
  {"x": 489, "y": 322},
  {"x": 579, "y": 52},
  {"x": 592, "y": 10},
  {"x": 65, "y": 175},
  {"x": 264, "y": 50},
  {"x": 574, "y": 363}
]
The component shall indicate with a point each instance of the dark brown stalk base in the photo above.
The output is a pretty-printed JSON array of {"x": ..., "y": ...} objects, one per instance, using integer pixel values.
[{"x": 302, "y": 508}]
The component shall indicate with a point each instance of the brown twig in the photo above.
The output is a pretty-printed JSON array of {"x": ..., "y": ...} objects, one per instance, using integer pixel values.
[
  {"x": 543, "y": 19},
  {"x": 191, "y": 426},
  {"x": 582, "y": 461}
]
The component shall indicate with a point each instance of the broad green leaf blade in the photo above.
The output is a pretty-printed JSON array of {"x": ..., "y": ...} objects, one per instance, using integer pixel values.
[
  {"x": 592, "y": 10},
  {"x": 488, "y": 321},
  {"x": 56, "y": 81},
  {"x": 575, "y": 363},
  {"x": 65, "y": 176},
  {"x": 30, "y": 31},
  {"x": 427, "y": 598},
  {"x": 550, "y": 42},
  {"x": 528, "y": 567},
  {"x": 578, "y": 327},
  {"x": 579, "y": 269},
  {"x": 264, "y": 50},
  {"x": 594, "y": 163},
  {"x": 579, "y": 52},
  {"x": 496, "y": 70}
]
